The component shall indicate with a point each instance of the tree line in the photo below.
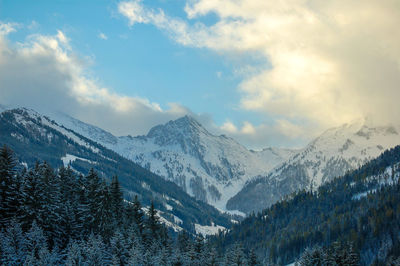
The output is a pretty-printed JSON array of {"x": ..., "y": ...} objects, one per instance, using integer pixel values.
[
  {"x": 59, "y": 217},
  {"x": 357, "y": 216}
]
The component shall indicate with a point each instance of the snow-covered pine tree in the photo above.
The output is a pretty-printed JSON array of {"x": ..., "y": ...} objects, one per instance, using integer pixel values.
[
  {"x": 95, "y": 252},
  {"x": 35, "y": 241},
  {"x": 312, "y": 256},
  {"x": 13, "y": 245},
  {"x": 119, "y": 248}
]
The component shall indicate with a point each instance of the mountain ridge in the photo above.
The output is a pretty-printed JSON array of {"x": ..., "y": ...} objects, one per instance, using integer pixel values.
[
  {"x": 220, "y": 171},
  {"x": 332, "y": 154},
  {"x": 34, "y": 137},
  {"x": 211, "y": 168}
]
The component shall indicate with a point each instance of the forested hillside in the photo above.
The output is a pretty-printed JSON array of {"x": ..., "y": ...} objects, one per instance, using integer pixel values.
[
  {"x": 35, "y": 137},
  {"x": 56, "y": 217},
  {"x": 359, "y": 212}
]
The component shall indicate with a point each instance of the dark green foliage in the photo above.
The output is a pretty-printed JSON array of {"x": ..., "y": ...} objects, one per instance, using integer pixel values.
[
  {"x": 336, "y": 254},
  {"x": 68, "y": 219},
  {"x": 9, "y": 198},
  {"x": 362, "y": 208},
  {"x": 36, "y": 140}
]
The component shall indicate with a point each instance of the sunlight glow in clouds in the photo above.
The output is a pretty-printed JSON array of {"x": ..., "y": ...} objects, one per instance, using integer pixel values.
[
  {"x": 332, "y": 61},
  {"x": 44, "y": 73}
]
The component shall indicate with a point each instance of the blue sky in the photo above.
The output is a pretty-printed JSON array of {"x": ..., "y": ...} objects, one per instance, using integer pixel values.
[
  {"x": 244, "y": 68},
  {"x": 137, "y": 61}
]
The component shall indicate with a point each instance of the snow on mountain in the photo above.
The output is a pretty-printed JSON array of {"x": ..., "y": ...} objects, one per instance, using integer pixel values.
[
  {"x": 208, "y": 167},
  {"x": 207, "y": 230},
  {"x": 34, "y": 137},
  {"x": 69, "y": 158},
  {"x": 330, "y": 155}
]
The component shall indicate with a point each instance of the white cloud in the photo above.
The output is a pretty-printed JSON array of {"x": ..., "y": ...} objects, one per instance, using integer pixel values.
[
  {"x": 282, "y": 133},
  {"x": 44, "y": 73},
  {"x": 248, "y": 128},
  {"x": 330, "y": 61},
  {"x": 102, "y": 36},
  {"x": 6, "y": 28},
  {"x": 229, "y": 127}
]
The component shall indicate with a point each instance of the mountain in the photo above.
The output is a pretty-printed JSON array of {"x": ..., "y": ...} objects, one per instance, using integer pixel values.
[
  {"x": 332, "y": 154},
  {"x": 33, "y": 137},
  {"x": 359, "y": 210},
  {"x": 211, "y": 168}
]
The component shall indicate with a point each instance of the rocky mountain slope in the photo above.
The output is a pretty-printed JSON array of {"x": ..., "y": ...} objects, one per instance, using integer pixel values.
[
  {"x": 33, "y": 137},
  {"x": 335, "y": 152},
  {"x": 208, "y": 167}
]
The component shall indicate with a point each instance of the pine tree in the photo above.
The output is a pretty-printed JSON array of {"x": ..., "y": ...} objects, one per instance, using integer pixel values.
[
  {"x": 74, "y": 254},
  {"x": 83, "y": 212},
  {"x": 152, "y": 222},
  {"x": 117, "y": 200},
  {"x": 8, "y": 187},
  {"x": 31, "y": 198},
  {"x": 69, "y": 224},
  {"x": 212, "y": 258},
  {"x": 312, "y": 256},
  {"x": 51, "y": 204},
  {"x": 95, "y": 252},
  {"x": 36, "y": 240},
  {"x": 119, "y": 249},
  {"x": 106, "y": 222},
  {"x": 93, "y": 194},
  {"x": 235, "y": 256},
  {"x": 138, "y": 214},
  {"x": 199, "y": 248},
  {"x": 353, "y": 256},
  {"x": 136, "y": 253},
  {"x": 253, "y": 261},
  {"x": 135, "y": 215},
  {"x": 183, "y": 242},
  {"x": 13, "y": 245}
]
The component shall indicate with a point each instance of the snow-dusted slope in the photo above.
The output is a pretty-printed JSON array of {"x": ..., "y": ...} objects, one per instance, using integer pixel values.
[
  {"x": 211, "y": 168},
  {"x": 332, "y": 154},
  {"x": 34, "y": 137}
]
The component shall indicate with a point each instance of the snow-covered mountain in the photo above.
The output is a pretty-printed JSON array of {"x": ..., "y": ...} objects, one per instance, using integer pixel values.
[
  {"x": 211, "y": 168},
  {"x": 35, "y": 137},
  {"x": 220, "y": 171},
  {"x": 330, "y": 155}
]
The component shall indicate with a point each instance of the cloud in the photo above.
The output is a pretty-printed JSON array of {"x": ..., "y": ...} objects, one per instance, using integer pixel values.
[
  {"x": 282, "y": 133},
  {"x": 6, "y": 28},
  {"x": 44, "y": 73},
  {"x": 102, "y": 36},
  {"x": 327, "y": 62}
]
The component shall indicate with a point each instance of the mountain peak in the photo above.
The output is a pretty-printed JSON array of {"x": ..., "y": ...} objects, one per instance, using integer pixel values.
[{"x": 184, "y": 127}]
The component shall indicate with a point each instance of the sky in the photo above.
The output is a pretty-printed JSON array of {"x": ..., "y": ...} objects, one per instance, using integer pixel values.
[{"x": 267, "y": 73}]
